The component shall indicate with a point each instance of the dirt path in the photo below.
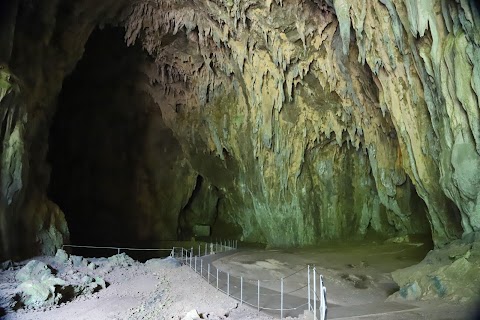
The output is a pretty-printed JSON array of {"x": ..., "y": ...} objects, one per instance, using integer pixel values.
[
  {"x": 246, "y": 290},
  {"x": 357, "y": 280},
  {"x": 357, "y": 277}
]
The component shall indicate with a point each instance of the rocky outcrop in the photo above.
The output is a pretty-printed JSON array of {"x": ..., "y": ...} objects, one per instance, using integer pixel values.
[
  {"x": 13, "y": 153},
  {"x": 308, "y": 120},
  {"x": 450, "y": 273}
]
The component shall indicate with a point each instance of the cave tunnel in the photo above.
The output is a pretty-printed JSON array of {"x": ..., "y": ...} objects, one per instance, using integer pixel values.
[{"x": 104, "y": 134}]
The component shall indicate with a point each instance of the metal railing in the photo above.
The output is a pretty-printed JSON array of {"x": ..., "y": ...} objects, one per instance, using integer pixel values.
[
  {"x": 261, "y": 294},
  {"x": 118, "y": 249}
]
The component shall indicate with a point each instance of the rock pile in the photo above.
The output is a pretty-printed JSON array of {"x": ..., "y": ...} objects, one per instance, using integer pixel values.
[{"x": 62, "y": 279}]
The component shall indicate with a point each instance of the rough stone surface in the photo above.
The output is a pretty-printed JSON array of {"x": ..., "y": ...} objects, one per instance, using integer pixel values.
[
  {"x": 450, "y": 273},
  {"x": 191, "y": 315},
  {"x": 65, "y": 278},
  {"x": 166, "y": 263},
  {"x": 306, "y": 120},
  {"x": 38, "y": 284}
]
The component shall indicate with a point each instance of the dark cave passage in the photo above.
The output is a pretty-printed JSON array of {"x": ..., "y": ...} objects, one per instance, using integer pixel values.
[
  {"x": 94, "y": 141},
  {"x": 105, "y": 137}
]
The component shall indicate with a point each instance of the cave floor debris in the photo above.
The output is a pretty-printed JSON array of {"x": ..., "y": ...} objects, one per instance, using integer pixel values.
[{"x": 357, "y": 279}]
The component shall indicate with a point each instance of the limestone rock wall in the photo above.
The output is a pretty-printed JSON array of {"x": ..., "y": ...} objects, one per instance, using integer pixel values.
[
  {"x": 309, "y": 119},
  {"x": 380, "y": 76},
  {"x": 38, "y": 50}
]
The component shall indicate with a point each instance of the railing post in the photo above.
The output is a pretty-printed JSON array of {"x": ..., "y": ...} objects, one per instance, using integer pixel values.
[
  {"x": 228, "y": 284},
  {"x": 201, "y": 268},
  {"x": 206, "y": 252},
  {"x": 199, "y": 251},
  {"x": 281, "y": 298},
  {"x": 241, "y": 290},
  {"x": 323, "y": 305},
  {"x": 258, "y": 295},
  {"x": 309, "y": 305},
  {"x": 195, "y": 263},
  {"x": 314, "y": 293},
  {"x": 118, "y": 250},
  {"x": 208, "y": 276},
  {"x": 217, "y": 278}
]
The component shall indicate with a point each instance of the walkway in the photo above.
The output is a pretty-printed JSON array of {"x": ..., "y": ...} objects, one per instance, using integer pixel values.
[
  {"x": 260, "y": 298},
  {"x": 293, "y": 303}
]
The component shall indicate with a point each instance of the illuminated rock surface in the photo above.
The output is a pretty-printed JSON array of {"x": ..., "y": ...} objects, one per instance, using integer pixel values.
[{"x": 282, "y": 122}]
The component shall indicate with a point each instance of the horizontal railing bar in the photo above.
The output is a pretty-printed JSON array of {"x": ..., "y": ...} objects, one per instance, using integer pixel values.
[{"x": 116, "y": 248}]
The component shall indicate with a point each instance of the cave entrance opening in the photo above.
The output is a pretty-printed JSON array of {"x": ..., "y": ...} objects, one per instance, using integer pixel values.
[{"x": 105, "y": 138}]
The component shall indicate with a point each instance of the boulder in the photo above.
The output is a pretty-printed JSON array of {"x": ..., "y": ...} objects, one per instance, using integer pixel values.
[
  {"x": 78, "y": 261},
  {"x": 61, "y": 256},
  {"x": 168, "y": 263},
  {"x": 121, "y": 260},
  {"x": 192, "y": 315},
  {"x": 450, "y": 273},
  {"x": 38, "y": 284},
  {"x": 33, "y": 270}
]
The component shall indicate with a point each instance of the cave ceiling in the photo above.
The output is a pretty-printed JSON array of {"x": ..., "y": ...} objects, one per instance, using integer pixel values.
[{"x": 306, "y": 120}]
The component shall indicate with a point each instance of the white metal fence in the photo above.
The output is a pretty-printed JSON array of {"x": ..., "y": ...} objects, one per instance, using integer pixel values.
[
  {"x": 117, "y": 249},
  {"x": 267, "y": 295},
  {"x": 263, "y": 294}
]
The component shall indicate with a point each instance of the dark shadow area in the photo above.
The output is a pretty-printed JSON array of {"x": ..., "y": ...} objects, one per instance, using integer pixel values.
[{"x": 96, "y": 141}]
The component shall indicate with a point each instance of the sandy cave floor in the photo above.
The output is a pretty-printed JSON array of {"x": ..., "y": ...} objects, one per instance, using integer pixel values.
[{"x": 357, "y": 277}]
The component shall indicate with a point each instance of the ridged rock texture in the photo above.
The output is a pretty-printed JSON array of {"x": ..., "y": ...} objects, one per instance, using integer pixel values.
[{"x": 283, "y": 122}]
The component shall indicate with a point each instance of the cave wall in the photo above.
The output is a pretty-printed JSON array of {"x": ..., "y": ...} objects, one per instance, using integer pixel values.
[
  {"x": 387, "y": 67},
  {"x": 41, "y": 51},
  {"x": 317, "y": 118}
]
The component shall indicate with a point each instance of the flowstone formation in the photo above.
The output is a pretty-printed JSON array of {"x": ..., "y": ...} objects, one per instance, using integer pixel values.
[
  {"x": 301, "y": 120},
  {"x": 320, "y": 119}
]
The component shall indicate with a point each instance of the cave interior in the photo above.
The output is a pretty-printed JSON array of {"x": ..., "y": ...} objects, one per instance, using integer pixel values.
[{"x": 284, "y": 124}]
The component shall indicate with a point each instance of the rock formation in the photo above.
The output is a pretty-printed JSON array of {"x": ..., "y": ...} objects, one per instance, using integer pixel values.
[{"x": 283, "y": 122}]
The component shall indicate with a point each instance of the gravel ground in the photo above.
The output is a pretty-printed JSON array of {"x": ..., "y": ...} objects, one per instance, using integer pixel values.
[
  {"x": 139, "y": 291},
  {"x": 159, "y": 290}
]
